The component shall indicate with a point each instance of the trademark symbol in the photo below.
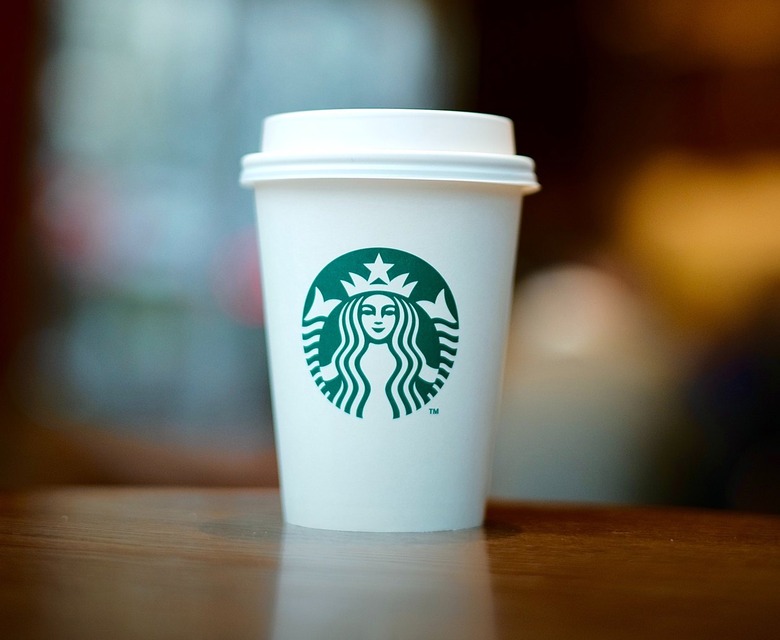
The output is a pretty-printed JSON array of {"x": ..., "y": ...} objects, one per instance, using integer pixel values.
[{"x": 433, "y": 412}]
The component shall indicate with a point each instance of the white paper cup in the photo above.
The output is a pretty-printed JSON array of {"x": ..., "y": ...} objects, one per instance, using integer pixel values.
[{"x": 387, "y": 244}]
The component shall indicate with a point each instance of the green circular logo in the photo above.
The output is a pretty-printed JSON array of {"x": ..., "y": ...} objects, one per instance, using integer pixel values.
[{"x": 380, "y": 332}]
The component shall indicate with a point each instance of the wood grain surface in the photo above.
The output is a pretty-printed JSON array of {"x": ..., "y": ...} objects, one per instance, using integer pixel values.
[{"x": 198, "y": 563}]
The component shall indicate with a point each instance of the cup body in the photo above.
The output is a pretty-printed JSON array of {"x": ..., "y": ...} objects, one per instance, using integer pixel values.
[{"x": 387, "y": 303}]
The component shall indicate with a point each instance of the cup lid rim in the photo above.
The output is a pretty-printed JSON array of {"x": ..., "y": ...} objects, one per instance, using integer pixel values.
[{"x": 485, "y": 168}]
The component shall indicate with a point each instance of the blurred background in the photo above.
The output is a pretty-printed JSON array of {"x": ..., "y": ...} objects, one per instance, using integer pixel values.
[{"x": 644, "y": 361}]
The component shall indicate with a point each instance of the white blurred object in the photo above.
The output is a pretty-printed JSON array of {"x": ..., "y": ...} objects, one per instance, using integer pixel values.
[{"x": 587, "y": 401}]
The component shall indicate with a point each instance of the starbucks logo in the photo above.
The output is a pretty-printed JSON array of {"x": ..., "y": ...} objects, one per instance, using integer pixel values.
[{"x": 380, "y": 332}]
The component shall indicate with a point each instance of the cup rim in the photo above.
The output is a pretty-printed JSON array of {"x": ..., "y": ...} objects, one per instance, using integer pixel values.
[{"x": 486, "y": 168}]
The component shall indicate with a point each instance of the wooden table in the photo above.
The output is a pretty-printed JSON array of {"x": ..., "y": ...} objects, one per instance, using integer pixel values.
[{"x": 115, "y": 563}]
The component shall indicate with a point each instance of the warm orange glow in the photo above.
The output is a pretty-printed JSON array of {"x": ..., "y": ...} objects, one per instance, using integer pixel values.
[
  {"x": 694, "y": 32},
  {"x": 705, "y": 234}
]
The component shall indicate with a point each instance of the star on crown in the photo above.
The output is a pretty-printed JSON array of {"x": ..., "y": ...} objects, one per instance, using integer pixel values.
[{"x": 378, "y": 280}]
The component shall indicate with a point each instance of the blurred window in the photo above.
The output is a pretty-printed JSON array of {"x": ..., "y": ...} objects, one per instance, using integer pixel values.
[{"x": 147, "y": 107}]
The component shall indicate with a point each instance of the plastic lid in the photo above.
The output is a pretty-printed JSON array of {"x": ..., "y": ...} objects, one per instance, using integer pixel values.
[{"x": 389, "y": 143}]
